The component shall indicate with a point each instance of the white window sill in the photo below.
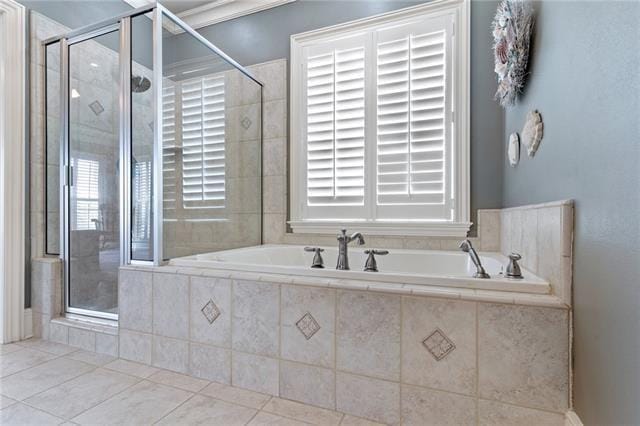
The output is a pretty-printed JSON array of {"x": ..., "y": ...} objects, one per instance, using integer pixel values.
[{"x": 403, "y": 229}]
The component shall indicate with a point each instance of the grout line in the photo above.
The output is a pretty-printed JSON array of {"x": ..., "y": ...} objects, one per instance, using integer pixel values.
[{"x": 175, "y": 408}]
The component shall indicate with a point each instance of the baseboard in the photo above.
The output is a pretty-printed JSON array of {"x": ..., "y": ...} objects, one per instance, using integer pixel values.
[
  {"x": 28, "y": 323},
  {"x": 572, "y": 419}
]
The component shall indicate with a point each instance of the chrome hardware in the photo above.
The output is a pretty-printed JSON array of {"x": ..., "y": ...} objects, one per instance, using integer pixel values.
[
  {"x": 371, "y": 265},
  {"x": 513, "y": 269},
  {"x": 343, "y": 243},
  {"x": 317, "y": 257},
  {"x": 466, "y": 247}
]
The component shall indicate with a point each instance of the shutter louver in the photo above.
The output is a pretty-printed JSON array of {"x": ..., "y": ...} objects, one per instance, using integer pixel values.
[
  {"x": 203, "y": 139},
  {"x": 411, "y": 112},
  {"x": 142, "y": 201},
  {"x": 336, "y": 128},
  {"x": 169, "y": 150}
]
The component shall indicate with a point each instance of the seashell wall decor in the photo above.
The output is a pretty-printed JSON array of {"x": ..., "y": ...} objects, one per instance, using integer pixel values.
[
  {"x": 513, "y": 149},
  {"x": 532, "y": 132},
  {"x": 512, "y": 29}
]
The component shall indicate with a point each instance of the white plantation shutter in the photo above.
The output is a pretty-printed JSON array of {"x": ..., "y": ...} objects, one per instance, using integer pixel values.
[
  {"x": 336, "y": 127},
  {"x": 203, "y": 138},
  {"x": 412, "y": 135},
  {"x": 87, "y": 193},
  {"x": 377, "y": 135},
  {"x": 142, "y": 201}
]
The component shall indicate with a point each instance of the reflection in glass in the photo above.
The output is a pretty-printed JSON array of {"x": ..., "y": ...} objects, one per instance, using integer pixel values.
[
  {"x": 211, "y": 150},
  {"x": 94, "y": 236}
]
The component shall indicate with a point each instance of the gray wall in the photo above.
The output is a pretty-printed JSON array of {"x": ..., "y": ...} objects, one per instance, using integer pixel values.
[
  {"x": 266, "y": 35},
  {"x": 585, "y": 81}
]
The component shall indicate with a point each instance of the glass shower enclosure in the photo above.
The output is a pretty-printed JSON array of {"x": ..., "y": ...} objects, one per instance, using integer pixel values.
[{"x": 153, "y": 151}]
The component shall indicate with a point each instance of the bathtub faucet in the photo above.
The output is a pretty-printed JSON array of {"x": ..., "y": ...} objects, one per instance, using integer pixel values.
[
  {"x": 466, "y": 247},
  {"x": 343, "y": 243}
]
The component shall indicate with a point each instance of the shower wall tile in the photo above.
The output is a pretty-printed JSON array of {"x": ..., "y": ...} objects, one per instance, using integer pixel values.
[
  {"x": 273, "y": 189},
  {"x": 83, "y": 339},
  {"x": 523, "y": 355},
  {"x": 368, "y": 344},
  {"x": 420, "y": 406},
  {"x": 210, "y": 363},
  {"x": 256, "y": 317},
  {"x": 498, "y": 414},
  {"x": 135, "y": 346},
  {"x": 135, "y": 300},
  {"x": 297, "y": 301},
  {"x": 275, "y": 119},
  {"x": 273, "y": 228},
  {"x": 171, "y": 305},
  {"x": 274, "y": 157},
  {"x": 171, "y": 354},
  {"x": 204, "y": 330},
  {"x": 373, "y": 399},
  {"x": 256, "y": 373},
  {"x": 311, "y": 385},
  {"x": 274, "y": 77},
  {"x": 455, "y": 371}
]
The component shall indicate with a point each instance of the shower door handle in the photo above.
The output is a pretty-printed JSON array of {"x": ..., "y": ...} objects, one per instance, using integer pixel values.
[{"x": 68, "y": 176}]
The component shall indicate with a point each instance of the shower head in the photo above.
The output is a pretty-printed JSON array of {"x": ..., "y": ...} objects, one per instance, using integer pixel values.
[{"x": 140, "y": 84}]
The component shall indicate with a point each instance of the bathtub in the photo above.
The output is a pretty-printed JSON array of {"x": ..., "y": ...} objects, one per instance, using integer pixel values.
[{"x": 413, "y": 267}]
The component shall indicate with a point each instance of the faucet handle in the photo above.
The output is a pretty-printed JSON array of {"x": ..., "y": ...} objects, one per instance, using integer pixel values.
[
  {"x": 371, "y": 265},
  {"x": 317, "y": 262},
  {"x": 513, "y": 269}
]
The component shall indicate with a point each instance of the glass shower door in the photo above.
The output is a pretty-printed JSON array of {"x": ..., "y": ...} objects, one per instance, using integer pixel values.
[{"x": 93, "y": 230}]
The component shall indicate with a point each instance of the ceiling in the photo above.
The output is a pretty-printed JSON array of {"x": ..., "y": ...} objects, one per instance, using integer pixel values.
[{"x": 178, "y": 6}]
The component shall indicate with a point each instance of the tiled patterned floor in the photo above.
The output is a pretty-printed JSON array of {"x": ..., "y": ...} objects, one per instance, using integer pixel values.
[{"x": 44, "y": 383}]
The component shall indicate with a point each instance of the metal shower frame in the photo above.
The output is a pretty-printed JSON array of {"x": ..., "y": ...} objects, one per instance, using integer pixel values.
[{"x": 121, "y": 23}]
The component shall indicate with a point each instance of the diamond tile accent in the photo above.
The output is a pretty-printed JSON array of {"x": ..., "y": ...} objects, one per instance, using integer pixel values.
[
  {"x": 308, "y": 325},
  {"x": 246, "y": 123},
  {"x": 438, "y": 344},
  {"x": 210, "y": 311},
  {"x": 96, "y": 107}
]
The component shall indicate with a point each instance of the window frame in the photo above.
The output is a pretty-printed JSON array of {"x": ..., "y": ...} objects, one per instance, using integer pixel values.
[{"x": 460, "y": 223}]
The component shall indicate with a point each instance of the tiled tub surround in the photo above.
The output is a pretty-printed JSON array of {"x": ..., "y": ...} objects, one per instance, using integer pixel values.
[{"x": 373, "y": 353}]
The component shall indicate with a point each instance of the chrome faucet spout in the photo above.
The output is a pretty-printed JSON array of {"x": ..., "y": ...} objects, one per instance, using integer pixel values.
[
  {"x": 343, "y": 244},
  {"x": 466, "y": 247}
]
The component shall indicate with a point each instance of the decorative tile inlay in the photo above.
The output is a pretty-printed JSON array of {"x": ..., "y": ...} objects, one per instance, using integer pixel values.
[
  {"x": 210, "y": 311},
  {"x": 96, "y": 107},
  {"x": 308, "y": 325},
  {"x": 438, "y": 344},
  {"x": 246, "y": 123}
]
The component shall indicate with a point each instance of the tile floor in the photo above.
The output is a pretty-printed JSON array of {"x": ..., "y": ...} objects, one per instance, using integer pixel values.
[{"x": 44, "y": 383}]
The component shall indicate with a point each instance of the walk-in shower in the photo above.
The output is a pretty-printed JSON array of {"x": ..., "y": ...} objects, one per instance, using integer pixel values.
[{"x": 153, "y": 151}]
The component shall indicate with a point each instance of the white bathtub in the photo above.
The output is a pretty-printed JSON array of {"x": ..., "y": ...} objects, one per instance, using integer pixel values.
[{"x": 418, "y": 267}]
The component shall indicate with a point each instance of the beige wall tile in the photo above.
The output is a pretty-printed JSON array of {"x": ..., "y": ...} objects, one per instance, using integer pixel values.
[
  {"x": 256, "y": 317},
  {"x": 256, "y": 373},
  {"x": 368, "y": 343},
  {"x": 81, "y": 338},
  {"x": 134, "y": 300},
  {"x": 456, "y": 371},
  {"x": 422, "y": 406},
  {"x": 59, "y": 333},
  {"x": 274, "y": 119},
  {"x": 203, "y": 290},
  {"x": 373, "y": 399},
  {"x": 489, "y": 229},
  {"x": 135, "y": 346},
  {"x": 297, "y": 301},
  {"x": 171, "y": 305},
  {"x": 498, "y": 414},
  {"x": 107, "y": 344},
  {"x": 171, "y": 354},
  {"x": 523, "y": 355},
  {"x": 311, "y": 385},
  {"x": 210, "y": 363}
]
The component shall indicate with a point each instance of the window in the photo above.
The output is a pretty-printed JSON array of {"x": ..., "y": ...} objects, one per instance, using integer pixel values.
[
  {"x": 194, "y": 151},
  {"x": 87, "y": 193},
  {"x": 141, "y": 181},
  {"x": 379, "y": 124}
]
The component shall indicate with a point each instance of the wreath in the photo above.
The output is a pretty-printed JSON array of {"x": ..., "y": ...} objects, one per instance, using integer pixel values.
[{"x": 512, "y": 29}]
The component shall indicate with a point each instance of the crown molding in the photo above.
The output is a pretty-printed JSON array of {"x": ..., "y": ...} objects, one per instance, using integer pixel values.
[{"x": 218, "y": 11}]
